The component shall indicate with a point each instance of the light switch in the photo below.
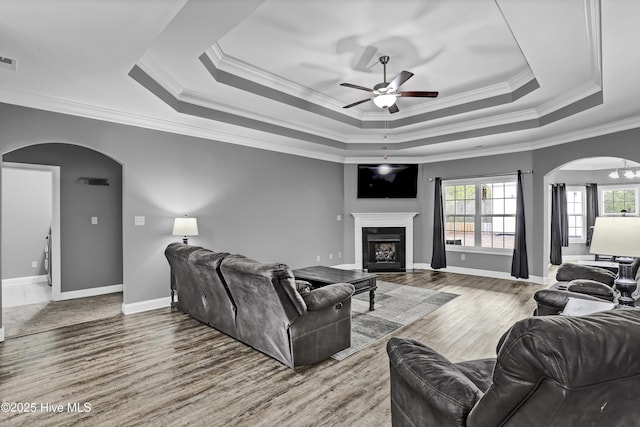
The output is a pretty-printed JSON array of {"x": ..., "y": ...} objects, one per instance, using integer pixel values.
[
  {"x": 94, "y": 220},
  {"x": 138, "y": 220},
  {"x": 339, "y": 217}
]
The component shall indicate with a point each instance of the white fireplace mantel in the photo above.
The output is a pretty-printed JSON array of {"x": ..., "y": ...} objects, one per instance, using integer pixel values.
[{"x": 384, "y": 219}]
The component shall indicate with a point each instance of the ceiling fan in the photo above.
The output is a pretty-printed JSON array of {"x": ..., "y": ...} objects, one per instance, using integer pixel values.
[{"x": 384, "y": 94}]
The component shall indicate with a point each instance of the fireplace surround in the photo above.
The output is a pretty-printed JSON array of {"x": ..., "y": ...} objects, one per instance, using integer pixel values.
[{"x": 384, "y": 220}]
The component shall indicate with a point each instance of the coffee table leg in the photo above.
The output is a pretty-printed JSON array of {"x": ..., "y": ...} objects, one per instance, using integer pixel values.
[{"x": 372, "y": 299}]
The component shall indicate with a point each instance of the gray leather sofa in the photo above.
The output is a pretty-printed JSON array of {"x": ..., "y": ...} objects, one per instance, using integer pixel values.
[
  {"x": 549, "y": 371},
  {"x": 261, "y": 305}
]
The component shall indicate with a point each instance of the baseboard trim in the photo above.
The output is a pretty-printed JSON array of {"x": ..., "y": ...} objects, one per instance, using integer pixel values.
[
  {"x": 484, "y": 273},
  {"x": 468, "y": 271},
  {"x": 27, "y": 280},
  {"x": 345, "y": 266},
  {"x": 139, "y": 307},
  {"x": 2, "y": 334},
  {"x": 577, "y": 257},
  {"x": 91, "y": 292}
]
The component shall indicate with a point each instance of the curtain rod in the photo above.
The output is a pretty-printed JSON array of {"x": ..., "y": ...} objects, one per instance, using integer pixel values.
[{"x": 482, "y": 176}]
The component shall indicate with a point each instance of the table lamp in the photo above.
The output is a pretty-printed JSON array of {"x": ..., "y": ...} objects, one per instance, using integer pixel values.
[
  {"x": 619, "y": 236},
  {"x": 185, "y": 226}
]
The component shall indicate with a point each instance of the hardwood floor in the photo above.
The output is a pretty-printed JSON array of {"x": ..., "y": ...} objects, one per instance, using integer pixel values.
[{"x": 163, "y": 368}]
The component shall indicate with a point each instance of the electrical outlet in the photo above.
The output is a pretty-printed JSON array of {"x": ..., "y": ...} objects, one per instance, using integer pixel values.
[
  {"x": 462, "y": 257},
  {"x": 330, "y": 256},
  {"x": 318, "y": 258},
  {"x": 339, "y": 218},
  {"x": 94, "y": 220},
  {"x": 339, "y": 254},
  {"x": 34, "y": 264}
]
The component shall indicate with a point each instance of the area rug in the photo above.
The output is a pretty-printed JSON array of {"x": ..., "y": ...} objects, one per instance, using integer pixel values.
[{"x": 396, "y": 306}]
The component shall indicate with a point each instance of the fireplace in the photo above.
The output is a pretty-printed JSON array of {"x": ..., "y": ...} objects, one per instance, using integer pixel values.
[
  {"x": 383, "y": 220},
  {"x": 383, "y": 248}
]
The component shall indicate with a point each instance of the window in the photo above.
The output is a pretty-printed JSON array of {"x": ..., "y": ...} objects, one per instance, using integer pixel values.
[
  {"x": 460, "y": 210},
  {"x": 576, "y": 214},
  {"x": 616, "y": 199},
  {"x": 480, "y": 214}
]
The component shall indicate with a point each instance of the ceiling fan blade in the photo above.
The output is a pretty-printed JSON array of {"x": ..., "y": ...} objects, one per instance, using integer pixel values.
[
  {"x": 399, "y": 80},
  {"x": 365, "y": 59},
  {"x": 356, "y": 87},
  {"x": 357, "y": 103},
  {"x": 394, "y": 108},
  {"x": 419, "y": 94}
]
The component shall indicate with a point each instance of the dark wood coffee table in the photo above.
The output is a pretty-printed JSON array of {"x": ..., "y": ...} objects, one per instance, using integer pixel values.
[{"x": 320, "y": 275}]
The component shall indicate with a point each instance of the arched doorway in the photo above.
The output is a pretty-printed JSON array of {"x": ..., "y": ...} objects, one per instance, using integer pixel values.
[
  {"x": 614, "y": 191},
  {"x": 87, "y": 241}
]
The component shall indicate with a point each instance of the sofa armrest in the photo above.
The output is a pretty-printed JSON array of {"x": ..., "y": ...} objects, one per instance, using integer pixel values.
[
  {"x": 327, "y": 296},
  {"x": 591, "y": 287},
  {"x": 569, "y": 271},
  {"x": 436, "y": 380},
  {"x": 552, "y": 301}
]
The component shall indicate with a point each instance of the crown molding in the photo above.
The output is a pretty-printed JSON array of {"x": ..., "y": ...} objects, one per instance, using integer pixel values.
[
  {"x": 215, "y": 131},
  {"x": 232, "y": 136}
]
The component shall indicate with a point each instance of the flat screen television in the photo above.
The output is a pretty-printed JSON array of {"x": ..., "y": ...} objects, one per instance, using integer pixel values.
[{"x": 387, "y": 181}]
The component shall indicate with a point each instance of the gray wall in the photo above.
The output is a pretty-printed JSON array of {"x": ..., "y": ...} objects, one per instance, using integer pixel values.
[
  {"x": 354, "y": 205},
  {"x": 26, "y": 218},
  {"x": 91, "y": 255},
  {"x": 273, "y": 206},
  {"x": 423, "y": 222},
  {"x": 265, "y": 205}
]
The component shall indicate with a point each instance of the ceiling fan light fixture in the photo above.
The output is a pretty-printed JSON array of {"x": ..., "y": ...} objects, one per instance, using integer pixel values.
[
  {"x": 384, "y": 100},
  {"x": 614, "y": 174},
  {"x": 384, "y": 169},
  {"x": 629, "y": 174}
]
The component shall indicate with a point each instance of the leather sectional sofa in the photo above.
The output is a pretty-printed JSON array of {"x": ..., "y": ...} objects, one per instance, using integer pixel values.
[{"x": 261, "y": 305}]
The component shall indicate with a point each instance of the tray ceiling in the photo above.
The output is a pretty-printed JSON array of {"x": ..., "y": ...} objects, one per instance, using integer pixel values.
[{"x": 511, "y": 74}]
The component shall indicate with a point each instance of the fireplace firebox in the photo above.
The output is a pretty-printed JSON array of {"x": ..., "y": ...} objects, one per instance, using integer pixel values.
[{"x": 383, "y": 248}]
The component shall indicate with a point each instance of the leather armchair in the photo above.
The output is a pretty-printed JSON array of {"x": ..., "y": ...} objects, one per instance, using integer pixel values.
[
  {"x": 549, "y": 371},
  {"x": 579, "y": 281}
]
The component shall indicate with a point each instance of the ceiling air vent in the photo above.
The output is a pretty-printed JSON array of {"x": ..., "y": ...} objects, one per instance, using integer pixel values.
[{"x": 8, "y": 63}]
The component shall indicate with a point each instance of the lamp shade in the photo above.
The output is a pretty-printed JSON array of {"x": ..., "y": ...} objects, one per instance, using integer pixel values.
[
  {"x": 185, "y": 226},
  {"x": 616, "y": 236}
]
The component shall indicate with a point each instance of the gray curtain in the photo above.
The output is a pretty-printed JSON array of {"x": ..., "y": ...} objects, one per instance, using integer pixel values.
[
  {"x": 592, "y": 209},
  {"x": 439, "y": 253},
  {"x": 519, "y": 263},
  {"x": 559, "y": 222}
]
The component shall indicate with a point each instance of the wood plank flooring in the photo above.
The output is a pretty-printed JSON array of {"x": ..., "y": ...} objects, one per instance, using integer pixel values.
[{"x": 163, "y": 368}]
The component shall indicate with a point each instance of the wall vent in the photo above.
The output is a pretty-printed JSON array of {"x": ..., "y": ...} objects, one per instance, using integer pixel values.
[
  {"x": 86, "y": 180},
  {"x": 8, "y": 63}
]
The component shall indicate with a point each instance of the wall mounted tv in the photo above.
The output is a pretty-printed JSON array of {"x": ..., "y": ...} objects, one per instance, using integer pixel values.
[{"x": 387, "y": 181}]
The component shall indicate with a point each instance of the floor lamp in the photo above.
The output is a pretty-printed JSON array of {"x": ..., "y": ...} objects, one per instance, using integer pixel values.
[{"x": 619, "y": 236}]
